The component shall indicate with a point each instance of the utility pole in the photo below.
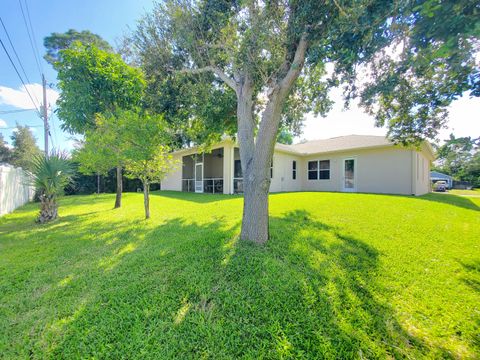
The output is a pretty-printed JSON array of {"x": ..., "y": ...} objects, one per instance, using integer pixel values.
[{"x": 45, "y": 114}]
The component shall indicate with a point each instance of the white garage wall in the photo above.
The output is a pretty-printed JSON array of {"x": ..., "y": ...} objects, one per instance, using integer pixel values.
[{"x": 15, "y": 189}]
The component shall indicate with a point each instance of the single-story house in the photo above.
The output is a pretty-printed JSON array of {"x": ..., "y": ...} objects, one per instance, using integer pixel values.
[
  {"x": 438, "y": 176},
  {"x": 354, "y": 163}
]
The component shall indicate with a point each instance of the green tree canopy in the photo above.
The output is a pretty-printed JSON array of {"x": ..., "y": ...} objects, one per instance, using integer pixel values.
[
  {"x": 147, "y": 151},
  {"x": 25, "y": 147},
  {"x": 145, "y": 147},
  {"x": 285, "y": 137},
  {"x": 98, "y": 153},
  {"x": 56, "y": 42},
  {"x": 93, "y": 81},
  {"x": 5, "y": 151},
  {"x": 459, "y": 157}
]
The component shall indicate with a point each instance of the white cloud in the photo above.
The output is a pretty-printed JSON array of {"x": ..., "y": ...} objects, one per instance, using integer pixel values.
[
  {"x": 3, "y": 124},
  {"x": 463, "y": 120},
  {"x": 19, "y": 97}
]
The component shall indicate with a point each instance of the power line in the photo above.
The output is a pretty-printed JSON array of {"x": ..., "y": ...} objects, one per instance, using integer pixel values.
[
  {"x": 19, "y": 76},
  {"x": 15, "y": 127},
  {"x": 15, "y": 111},
  {"x": 33, "y": 34},
  {"x": 30, "y": 37},
  {"x": 16, "y": 55},
  {"x": 54, "y": 130}
]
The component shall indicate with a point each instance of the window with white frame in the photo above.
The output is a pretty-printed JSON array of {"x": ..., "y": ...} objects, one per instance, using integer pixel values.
[
  {"x": 319, "y": 170},
  {"x": 294, "y": 170}
]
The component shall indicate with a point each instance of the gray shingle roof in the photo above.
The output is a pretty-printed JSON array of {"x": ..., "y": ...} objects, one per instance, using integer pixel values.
[{"x": 337, "y": 144}]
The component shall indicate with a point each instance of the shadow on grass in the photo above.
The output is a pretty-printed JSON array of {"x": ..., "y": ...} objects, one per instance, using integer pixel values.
[
  {"x": 473, "y": 274},
  {"x": 187, "y": 290},
  {"x": 455, "y": 200},
  {"x": 459, "y": 201},
  {"x": 472, "y": 279},
  {"x": 201, "y": 198}
]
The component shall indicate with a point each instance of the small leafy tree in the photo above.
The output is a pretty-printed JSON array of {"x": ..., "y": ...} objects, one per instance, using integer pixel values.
[
  {"x": 144, "y": 149},
  {"x": 50, "y": 175},
  {"x": 149, "y": 168},
  {"x": 99, "y": 152},
  {"x": 93, "y": 81}
]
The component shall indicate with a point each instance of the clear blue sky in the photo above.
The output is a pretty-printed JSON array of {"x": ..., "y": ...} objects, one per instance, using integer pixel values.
[{"x": 108, "y": 18}]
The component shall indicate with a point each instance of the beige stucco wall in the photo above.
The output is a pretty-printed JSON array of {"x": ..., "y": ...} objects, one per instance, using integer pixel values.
[
  {"x": 282, "y": 179},
  {"x": 421, "y": 172},
  {"x": 173, "y": 181},
  {"x": 383, "y": 170},
  {"x": 389, "y": 170}
]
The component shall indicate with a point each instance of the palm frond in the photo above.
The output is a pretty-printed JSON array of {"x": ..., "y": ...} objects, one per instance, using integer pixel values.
[{"x": 51, "y": 174}]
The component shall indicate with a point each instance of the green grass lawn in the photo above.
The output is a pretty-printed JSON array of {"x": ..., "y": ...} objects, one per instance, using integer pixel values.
[
  {"x": 474, "y": 192},
  {"x": 343, "y": 276}
]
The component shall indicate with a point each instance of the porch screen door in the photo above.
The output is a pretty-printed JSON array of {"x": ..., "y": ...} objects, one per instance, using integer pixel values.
[{"x": 199, "y": 178}]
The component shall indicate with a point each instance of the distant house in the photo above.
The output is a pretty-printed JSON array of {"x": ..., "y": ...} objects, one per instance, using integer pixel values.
[
  {"x": 437, "y": 176},
  {"x": 354, "y": 163}
]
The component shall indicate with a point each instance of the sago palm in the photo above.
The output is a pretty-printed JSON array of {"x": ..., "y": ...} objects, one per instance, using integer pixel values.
[{"x": 50, "y": 175}]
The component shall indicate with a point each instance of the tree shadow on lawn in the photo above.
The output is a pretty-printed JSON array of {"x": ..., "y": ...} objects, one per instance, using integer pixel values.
[
  {"x": 187, "y": 290},
  {"x": 201, "y": 198},
  {"x": 450, "y": 199},
  {"x": 473, "y": 274},
  {"x": 472, "y": 279}
]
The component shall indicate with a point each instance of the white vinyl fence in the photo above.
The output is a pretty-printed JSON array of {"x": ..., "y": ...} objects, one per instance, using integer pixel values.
[{"x": 14, "y": 189}]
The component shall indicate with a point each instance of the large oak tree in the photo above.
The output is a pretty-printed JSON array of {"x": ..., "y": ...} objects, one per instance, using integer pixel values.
[{"x": 415, "y": 57}]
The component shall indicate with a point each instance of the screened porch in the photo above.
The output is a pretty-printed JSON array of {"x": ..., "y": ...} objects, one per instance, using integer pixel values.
[{"x": 203, "y": 173}]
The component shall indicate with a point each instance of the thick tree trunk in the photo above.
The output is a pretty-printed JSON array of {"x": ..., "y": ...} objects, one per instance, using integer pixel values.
[
  {"x": 118, "y": 198},
  {"x": 98, "y": 183},
  {"x": 146, "y": 199},
  {"x": 256, "y": 178},
  {"x": 255, "y": 210},
  {"x": 256, "y": 152},
  {"x": 48, "y": 209}
]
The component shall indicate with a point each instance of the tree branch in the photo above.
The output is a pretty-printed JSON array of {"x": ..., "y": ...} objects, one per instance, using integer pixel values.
[
  {"x": 217, "y": 71},
  {"x": 297, "y": 64}
]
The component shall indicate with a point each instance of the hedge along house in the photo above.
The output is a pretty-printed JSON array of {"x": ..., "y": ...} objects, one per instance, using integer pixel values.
[{"x": 354, "y": 163}]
